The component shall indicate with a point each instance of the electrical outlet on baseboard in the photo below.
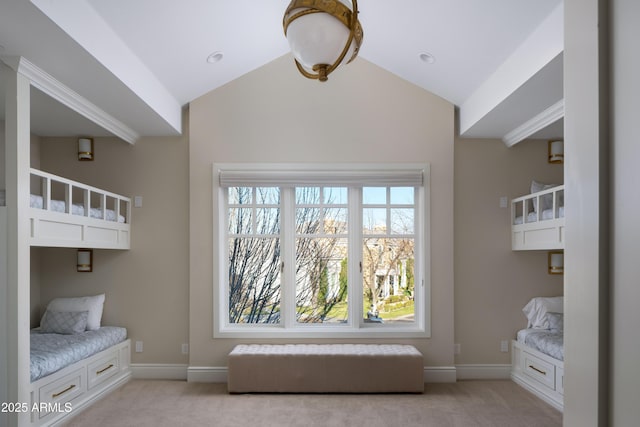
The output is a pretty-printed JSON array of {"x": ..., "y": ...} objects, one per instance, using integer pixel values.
[
  {"x": 138, "y": 346},
  {"x": 185, "y": 348},
  {"x": 504, "y": 346},
  {"x": 456, "y": 349}
]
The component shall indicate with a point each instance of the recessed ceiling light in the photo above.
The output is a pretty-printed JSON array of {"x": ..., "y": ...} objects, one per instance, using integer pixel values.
[
  {"x": 215, "y": 57},
  {"x": 427, "y": 57}
]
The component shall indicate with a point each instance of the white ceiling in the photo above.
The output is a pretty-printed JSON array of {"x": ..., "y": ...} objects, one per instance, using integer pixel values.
[{"x": 141, "y": 61}]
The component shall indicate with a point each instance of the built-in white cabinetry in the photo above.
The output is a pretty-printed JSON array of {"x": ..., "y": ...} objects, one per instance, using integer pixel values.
[{"x": 538, "y": 373}]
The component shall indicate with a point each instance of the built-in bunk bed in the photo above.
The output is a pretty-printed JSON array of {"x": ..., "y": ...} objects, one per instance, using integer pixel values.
[
  {"x": 537, "y": 223},
  {"x": 538, "y": 351},
  {"x": 65, "y": 213},
  {"x": 537, "y": 219},
  {"x": 74, "y": 359}
]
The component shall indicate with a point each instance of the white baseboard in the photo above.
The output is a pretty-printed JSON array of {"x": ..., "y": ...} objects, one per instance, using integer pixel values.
[
  {"x": 212, "y": 374},
  {"x": 483, "y": 372},
  {"x": 207, "y": 374},
  {"x": 153, "y": 371}
]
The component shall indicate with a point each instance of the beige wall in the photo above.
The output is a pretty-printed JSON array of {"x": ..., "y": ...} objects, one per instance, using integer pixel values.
[
  {"x": 492, "y": 282},
  {"x": 146, "y": 287},
  {"x": 362, "y": 114}
]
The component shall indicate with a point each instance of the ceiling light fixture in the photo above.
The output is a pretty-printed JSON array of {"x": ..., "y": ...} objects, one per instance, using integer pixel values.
[
  {"x": 322, "y": 34},
  {"x": 215, "y": 57},
  {"x": 427, "y": 57}
]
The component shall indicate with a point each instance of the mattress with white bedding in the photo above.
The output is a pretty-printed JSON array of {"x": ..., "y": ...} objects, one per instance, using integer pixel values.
[
  {"x": 544, "y": 340},
  {"x": 52, "y": 352},
  {"x": 76, "y": 209},
  {"x": 546, "y": 214}
]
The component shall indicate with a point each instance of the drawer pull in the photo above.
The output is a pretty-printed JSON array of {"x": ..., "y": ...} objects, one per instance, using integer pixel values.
[
  {"x": 60, "y": 393},
  {"x": 537, "y": 370},
  {"x": 102, "y": 370}
]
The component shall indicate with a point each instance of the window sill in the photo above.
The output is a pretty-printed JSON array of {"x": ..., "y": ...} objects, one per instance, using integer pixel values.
[{"x": 260, "y": 332}]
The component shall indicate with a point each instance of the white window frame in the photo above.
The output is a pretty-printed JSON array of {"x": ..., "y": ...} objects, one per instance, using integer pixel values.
[{"x": 227, "y": 175}]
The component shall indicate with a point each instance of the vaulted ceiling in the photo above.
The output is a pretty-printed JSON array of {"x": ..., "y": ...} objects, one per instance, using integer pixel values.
[{"x": 140, "y": 61}]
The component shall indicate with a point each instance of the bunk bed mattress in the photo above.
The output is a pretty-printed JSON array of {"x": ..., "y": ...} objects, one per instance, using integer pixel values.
[
  {"x": 544, "y": 340},
  {"x": 76, "y": 209},
  {"x": 533, "y": 216},
  {"x": 52, "y": 352}
]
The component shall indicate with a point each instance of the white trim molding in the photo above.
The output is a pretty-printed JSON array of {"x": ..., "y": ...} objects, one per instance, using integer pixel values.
[
  {"x": 207, "y": 374},
  {"x": 66, "y": 96},
  {"x": 213, "y": 374},
  {"x": 533, "y": 125},
  {"x": 158, "y": 371},
  {"x": 483, "y": 372}
]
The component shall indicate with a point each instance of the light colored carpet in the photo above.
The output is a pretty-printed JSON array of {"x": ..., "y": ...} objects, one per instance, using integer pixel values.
[{"x": 142, "y": 403}]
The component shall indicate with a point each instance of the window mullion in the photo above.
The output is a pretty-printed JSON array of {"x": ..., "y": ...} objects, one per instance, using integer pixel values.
[
  {"x": 355, "y": 257},
  {"x": 288, "y": 274},
  {"x": 420, "y": 269},
  {"x": 223, "y": 259}
]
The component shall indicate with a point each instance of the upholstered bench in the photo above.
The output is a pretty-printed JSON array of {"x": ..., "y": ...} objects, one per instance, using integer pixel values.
[{"x": 325, "y": 368}]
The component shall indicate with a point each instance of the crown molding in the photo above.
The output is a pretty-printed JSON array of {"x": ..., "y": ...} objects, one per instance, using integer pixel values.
[
  {"x": 542, "y": 120},
  {"x": 66, "y": 96}
]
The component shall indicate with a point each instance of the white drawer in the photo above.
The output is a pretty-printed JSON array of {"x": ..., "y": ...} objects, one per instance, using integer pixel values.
[
  {"x": 539, "y": 370},
  {"x": 52, "y": 397},
  {"x": 103, "y": 369}
]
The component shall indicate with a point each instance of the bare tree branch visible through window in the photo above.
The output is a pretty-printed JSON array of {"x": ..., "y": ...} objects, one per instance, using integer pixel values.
[{"x": 255, "y": 259}]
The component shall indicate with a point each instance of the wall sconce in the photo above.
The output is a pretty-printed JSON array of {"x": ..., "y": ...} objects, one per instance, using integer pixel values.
[
  {"x": 85, "y": 260},
  {"x": 556, "y": 262},
  {"x": 556, "y": 151},
  {"x": 85, "y": 149}
]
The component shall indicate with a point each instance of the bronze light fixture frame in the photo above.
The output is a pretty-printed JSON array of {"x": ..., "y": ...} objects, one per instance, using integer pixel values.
[{"x": 339, "y": 11}]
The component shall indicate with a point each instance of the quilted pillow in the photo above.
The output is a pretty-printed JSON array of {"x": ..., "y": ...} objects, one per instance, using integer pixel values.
[
  {"x": 556, "y": 321},
  {"x": 64, "y": 322},
  {"x": 92, "y": 304}
]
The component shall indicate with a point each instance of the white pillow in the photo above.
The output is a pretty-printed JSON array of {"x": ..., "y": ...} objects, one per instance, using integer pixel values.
[
  {"x": 536, "y": 311},
  {"x": 547, "y": 199},
  {"x": 93, "y": 305}
]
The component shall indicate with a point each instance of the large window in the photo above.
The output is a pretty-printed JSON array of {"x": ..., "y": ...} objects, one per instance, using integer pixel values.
[{"x": 321, "y": 250}]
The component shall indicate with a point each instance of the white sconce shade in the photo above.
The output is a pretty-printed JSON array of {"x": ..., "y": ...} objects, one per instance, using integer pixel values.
[
  {"x": 85, "y": 149},
  {"x": 85, "y": 261},
  {"x": 322, "y": 35},
  {"x": 556, "y": 262},
  {"x": 556, "y": 151}
]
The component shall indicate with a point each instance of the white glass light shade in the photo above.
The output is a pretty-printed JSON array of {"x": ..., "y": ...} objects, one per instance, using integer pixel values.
[
  {"x": 322, "y": 35},
  {"x": 556, "y": 262},
  {"x": 85, "y": 149},
  {"x": 556, "y": 151},
  {"x": 85, "y": 260},
  {"x": 318, "y": 39}
]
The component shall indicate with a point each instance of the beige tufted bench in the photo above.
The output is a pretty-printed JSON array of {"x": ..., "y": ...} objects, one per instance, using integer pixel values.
[{"x": 325, "y": 368}]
